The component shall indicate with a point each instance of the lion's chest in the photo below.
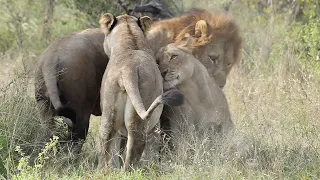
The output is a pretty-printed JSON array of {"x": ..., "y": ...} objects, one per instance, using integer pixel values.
[{"x": 199, "y": 108}]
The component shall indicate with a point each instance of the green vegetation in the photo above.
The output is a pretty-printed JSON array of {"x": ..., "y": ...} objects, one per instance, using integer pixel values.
[{"x": 273, "y": 95}]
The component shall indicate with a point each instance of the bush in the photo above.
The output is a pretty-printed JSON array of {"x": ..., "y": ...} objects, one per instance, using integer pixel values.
[{"x": 305, "y": 36}]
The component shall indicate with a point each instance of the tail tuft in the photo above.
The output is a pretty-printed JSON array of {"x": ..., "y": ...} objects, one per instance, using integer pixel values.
[
  {"x": 172, "y": 97},
  {"x": 67, "y": 112}
]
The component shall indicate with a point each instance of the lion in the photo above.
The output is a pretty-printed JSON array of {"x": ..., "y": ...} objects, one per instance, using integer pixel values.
[
  {"x": 68, "y": 78},
  {"x": 131, "y": 81},
  {"x": 206, "y": 108},
  {"x": 218, "y": 42}
]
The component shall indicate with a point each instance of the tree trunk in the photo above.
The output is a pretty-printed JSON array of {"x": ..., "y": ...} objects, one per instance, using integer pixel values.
[{"x": 47, "y": 25}]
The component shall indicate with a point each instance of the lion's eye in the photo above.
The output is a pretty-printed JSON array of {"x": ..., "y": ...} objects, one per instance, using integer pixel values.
[
  {"x": 214, "y": 59},
  {"x": 229, "y": 64},
  {"x": 173, "y": 57}
]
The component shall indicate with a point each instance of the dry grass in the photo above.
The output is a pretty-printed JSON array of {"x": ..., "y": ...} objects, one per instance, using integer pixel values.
[
  {"x": 274, "y": 104},
  {"x": 277, "y": 136}
]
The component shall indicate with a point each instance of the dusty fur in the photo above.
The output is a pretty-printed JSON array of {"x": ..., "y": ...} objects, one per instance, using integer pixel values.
[
  {"x": 206, "y": 108},
  {"x": 131, "y": 82},
  {"x": 219, "y": 27},
  {"x": 217, "y": 39}
]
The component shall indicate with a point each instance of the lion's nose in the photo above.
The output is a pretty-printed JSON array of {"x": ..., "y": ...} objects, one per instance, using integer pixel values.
[{"x": 163, "y": 74}]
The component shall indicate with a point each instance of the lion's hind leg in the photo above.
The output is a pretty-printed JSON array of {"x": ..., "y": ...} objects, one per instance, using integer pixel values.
[
  {"x": 116, "y": 159},
  {"x": 135, "y": 144},
  {"x": 136, "y": 139},
  {"x": 109, "y": 125},
  {"x": 107, "y": 132}
]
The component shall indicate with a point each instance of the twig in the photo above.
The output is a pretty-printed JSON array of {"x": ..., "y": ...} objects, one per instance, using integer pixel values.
[
  {"x": 123, "y": 6},
  {"x": 23, "y": 75}
]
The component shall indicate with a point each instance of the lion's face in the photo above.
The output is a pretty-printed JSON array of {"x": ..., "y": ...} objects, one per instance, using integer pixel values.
[
  {"x": 216, "y": 44},
  {"x": 174, "y": 64},
  {"x": 218, "y": 58}
]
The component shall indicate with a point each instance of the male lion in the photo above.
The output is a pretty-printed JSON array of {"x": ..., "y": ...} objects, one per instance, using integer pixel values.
[
  {"x": 131, "y": 82},
  {"x": 206, "y": 107},
  {"x": 217, "y": 45}
]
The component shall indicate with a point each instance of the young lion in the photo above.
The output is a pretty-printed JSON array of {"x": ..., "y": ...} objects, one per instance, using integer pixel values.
[
  {"x": 131, "y": 82},
  {"x": 205, "y": 106}
]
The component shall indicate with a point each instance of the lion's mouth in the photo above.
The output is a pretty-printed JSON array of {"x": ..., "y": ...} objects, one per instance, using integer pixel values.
[
  {"x": 169, "y": 83},
  {"x": 170, "y": 79}
]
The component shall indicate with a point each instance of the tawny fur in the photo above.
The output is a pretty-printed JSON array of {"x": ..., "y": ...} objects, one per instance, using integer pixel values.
[
  {"x": 131, "y": 82},
  {"x": 216, "y": 36},
  {"x": 81, "y": 61},
  {"x": 206, "y": 107}
]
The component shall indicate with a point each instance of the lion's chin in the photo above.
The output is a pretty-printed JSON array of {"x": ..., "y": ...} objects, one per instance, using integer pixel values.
[{"x": 170, "y": 84}]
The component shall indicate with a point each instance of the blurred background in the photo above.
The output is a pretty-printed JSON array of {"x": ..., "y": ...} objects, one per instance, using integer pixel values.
[{"x": 273, "y": 94}]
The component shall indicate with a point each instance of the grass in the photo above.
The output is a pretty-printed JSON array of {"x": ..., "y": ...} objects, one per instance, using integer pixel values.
[
  {"x": 274, "y": 103},
  {"x": 277, "y": 137}
]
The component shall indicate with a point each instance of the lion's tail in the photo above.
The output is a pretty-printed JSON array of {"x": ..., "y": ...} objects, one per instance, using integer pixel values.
[
  {"x": 50, "y": 76},
  {"x": 172, "y": 97}
]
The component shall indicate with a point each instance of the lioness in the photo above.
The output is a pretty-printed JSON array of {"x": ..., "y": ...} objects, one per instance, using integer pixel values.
[
  {"x": 131, "y": 82},
  {"x": 68, "y": 78},
  {"x": 217, "y": 45},
  {"x": 206, "y": 106}
]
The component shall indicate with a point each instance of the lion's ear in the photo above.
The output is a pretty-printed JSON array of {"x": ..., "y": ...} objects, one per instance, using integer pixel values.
[
  {"x": 201, "y": 29},
  {"x": 144, "y": 23},
  {"x": 107, "y": 22}
]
